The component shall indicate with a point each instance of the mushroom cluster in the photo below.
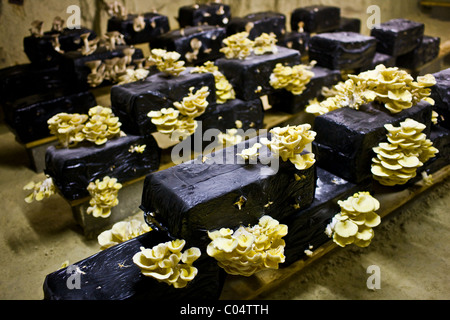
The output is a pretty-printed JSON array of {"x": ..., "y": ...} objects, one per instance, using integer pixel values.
[
  {"x": 224, "y": 89},
  {"x": 133, "y": 75},
  {"x": 116, "y": 9},
  {"x": 101, "y": 126},
  {"x": 165, "y": 120},
  {"x": 239, "y": 46},
  {"x": 121, "y": 232},
  {"x": 289, "y": 142},
  {"x": 293, "y": 79},
  {"x": 250, "y": 153},
  {"x": 68, "y": 128},
  {"x": 393, "y": 87},
  {"x": 103, "y": 196},
  {"x": 167, "y": 264},
  {"x": 230, "y": 137},
  {"x": 355, "y": 221},
  {"x": 343, "y": 94},
  {"x": 180, "y": 122},
  {"x": 265, "y": 43},
  {"x": 167, "y": 62},
  {"x": 41, "y": 190},
  {"x": 138, "y": 148},
  {"x": 407, "y": 149},
  {"x": 249, "y": 249},
  {"x": 194, "y": 104},
  {"x": 98, "y": 126},
  {"x": 116, "y": 70}
]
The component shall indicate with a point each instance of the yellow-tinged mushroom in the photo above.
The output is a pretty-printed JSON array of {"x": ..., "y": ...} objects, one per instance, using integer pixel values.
[
  {"x": 122, "y": 231},
  {"x": 289, "y": 142},
  {"x": 346, "y": 228},
  {"x": 40, "y": 190},
  {"x": 167, "y": 61},
  {"x": 237, "y": 46},
  {"x": 407, "y": 149},
  {"x": 249, "y": 249},
  {"x": 162, "y": 262},
  {"x": 393, "y": 87},
  {"x": 103, "y": 196},
  {"x": 293, "y": 79},
  {"x": 355, "y": 221},
  {"x": 265, "y": 43},
  {"x": 224, "y": 89}
]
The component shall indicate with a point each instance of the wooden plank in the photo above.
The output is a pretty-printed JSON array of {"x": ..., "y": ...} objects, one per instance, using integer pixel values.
[
  {"x": 442, "y": 3},
  {"x": 247, "y": 288}
]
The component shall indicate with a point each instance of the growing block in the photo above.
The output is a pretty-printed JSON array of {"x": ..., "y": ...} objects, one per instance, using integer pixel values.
[
  {"x": 155, "y": 25},
  {"x": 398, "y": 36},
  {"x": 184, "y": 41},
  {"x": 72, "y": 169},
  {"x": 257, "y": 23},
  {"x": 28, "y": 79},
  {"x": 345, "y": 137},
  {"x": 224, "y": 191},
  {"x": 27, "y": 117},
  {"x": 41, "y": 51},
  {"x": 295, "y": 40},
  {"x": 285, "y": 101},
  {"x": 224, "y": 116},
  {"x": 342, "y": 50},
  {"x": 112, "y": 275},
  {"x": 317, "y": 18},
  {"x": 349, "y": 25},
  {"x": 250, "y": 77},
  {"x": 213, "y": 14},
  {"x": 424, "y": 53},
  {"x": 132, "y": 102},
  {"x": 440, "y": 93}
]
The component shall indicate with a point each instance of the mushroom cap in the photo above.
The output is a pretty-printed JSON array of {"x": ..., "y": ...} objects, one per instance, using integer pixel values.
[{"x": 346, "y": 228}]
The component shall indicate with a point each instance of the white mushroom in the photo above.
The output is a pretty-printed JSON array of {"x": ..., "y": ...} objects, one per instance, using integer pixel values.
[
  {"x": 56, "y": 44},
  {"x": 36, "y": 28},
  {"x": 89, "y": 46},
  {"x": 139, "y": 23}
]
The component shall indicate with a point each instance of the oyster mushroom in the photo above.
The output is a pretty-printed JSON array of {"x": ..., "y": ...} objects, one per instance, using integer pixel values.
[
  {"x": 120, "y": 66},
  {"x": 36, "y": 28},
  {"x": 110, "y": 73},
  {"x": 58, "y": 24},
  {"x": 89, "y": 46},
  {"x": 138, "y": 23},
  {"x": 112, "y": 39},
  {"x": 93, "y": 65},
  {"x": 128, "y": 52},
  {"x": 55, "y": 43},
  {"x": 195, "y": 46},
  {"x": 163, "y": 264}
]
